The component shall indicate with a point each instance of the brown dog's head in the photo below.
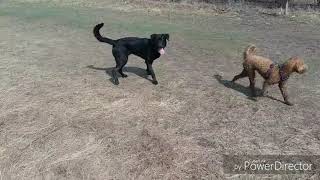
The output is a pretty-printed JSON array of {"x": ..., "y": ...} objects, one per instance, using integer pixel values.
[
  {"x": 298, "y": 65},
  {"x": 159, "y": 42}
]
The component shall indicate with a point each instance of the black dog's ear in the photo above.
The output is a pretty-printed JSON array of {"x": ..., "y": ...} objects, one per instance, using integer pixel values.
[
  {"x": 153, "y": 36},
  {"x": 166, "y": 36}
]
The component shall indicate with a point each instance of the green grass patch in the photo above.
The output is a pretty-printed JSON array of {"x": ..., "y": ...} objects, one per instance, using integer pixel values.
[
  {"x": 209, "y": 34},
  {"x": 41, "y": 12}
]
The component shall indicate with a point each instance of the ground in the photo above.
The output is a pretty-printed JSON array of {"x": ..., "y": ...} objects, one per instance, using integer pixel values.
[{"x": 62, "y": 118}]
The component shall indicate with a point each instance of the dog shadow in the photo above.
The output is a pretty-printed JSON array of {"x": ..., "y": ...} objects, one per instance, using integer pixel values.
[
  {"x": 135, "y": 70},
  {"x": 238, "y": 87},
  {"x": 244, "y": 90},
  {"x": 275, "y": 99}
]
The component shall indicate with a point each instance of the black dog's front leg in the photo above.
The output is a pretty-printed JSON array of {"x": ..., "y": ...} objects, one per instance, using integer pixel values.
[{"x": 150, "y": 69}]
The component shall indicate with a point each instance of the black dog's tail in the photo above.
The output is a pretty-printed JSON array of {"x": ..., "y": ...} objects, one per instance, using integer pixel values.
[{"x": 99, "y": 37}]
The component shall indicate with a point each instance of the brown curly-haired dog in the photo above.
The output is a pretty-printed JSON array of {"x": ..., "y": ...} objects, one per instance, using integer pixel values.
[{"x": 272, "y": 73}]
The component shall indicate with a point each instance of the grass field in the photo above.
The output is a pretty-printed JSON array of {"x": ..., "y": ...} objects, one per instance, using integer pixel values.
[{"x": 62, "y": 118}]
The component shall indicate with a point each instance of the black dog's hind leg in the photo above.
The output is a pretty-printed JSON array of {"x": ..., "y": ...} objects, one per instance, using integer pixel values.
[
  {"x": 121, "y": 72},
  {"x": 149, "y": 67},
  {"x": 121, "y": 58},
  {"x": 118, "y": 68},
  {"x": 114, "y": 75},
  {"x": 122, "y": 61},
  {"x": 243, "y": 74}
]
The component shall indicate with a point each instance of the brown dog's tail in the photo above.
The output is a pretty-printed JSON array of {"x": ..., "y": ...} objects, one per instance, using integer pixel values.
[
  {"x": 99, "y": 37},
  {"x": 250, "y": 50}
]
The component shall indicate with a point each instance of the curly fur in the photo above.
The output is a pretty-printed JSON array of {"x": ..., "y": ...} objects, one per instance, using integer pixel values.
[{"x": 262, "y": 65}]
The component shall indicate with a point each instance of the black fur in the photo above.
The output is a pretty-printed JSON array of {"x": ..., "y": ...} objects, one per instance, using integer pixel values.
[{"x": 147, "y": 49}]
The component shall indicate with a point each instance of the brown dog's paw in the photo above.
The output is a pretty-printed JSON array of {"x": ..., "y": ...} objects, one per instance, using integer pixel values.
[
  {"x": 264, "y": 94},
  {"x": 288, "y": 103}
]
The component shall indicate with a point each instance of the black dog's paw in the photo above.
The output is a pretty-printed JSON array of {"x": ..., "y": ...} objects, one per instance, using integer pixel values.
[
  {"x": 124, "y": 75},
  {"x": 155, "y": 82},
  {"x": 148, "y": 72}
]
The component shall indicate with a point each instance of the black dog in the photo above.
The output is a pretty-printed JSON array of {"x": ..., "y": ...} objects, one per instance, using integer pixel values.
[{"x": 147, "y": 49}]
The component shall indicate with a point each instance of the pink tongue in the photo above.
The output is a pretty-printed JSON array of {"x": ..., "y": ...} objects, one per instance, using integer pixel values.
[{"x": 161, "y": 51}]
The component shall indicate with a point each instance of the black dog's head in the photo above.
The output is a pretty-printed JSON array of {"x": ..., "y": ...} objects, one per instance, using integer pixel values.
[{"x": 159, "y": 42}]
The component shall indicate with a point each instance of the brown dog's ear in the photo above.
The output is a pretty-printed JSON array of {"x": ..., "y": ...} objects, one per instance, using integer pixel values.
[{"x": 166, "y": 36}]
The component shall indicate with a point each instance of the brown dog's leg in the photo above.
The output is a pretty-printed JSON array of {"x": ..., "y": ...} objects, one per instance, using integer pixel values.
[
  {"x": 243, "y": 74},
  {"x": 284, "y": 93},
  {"x": 252, "y": 75},
  {"x": 265, "y": 88}
]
